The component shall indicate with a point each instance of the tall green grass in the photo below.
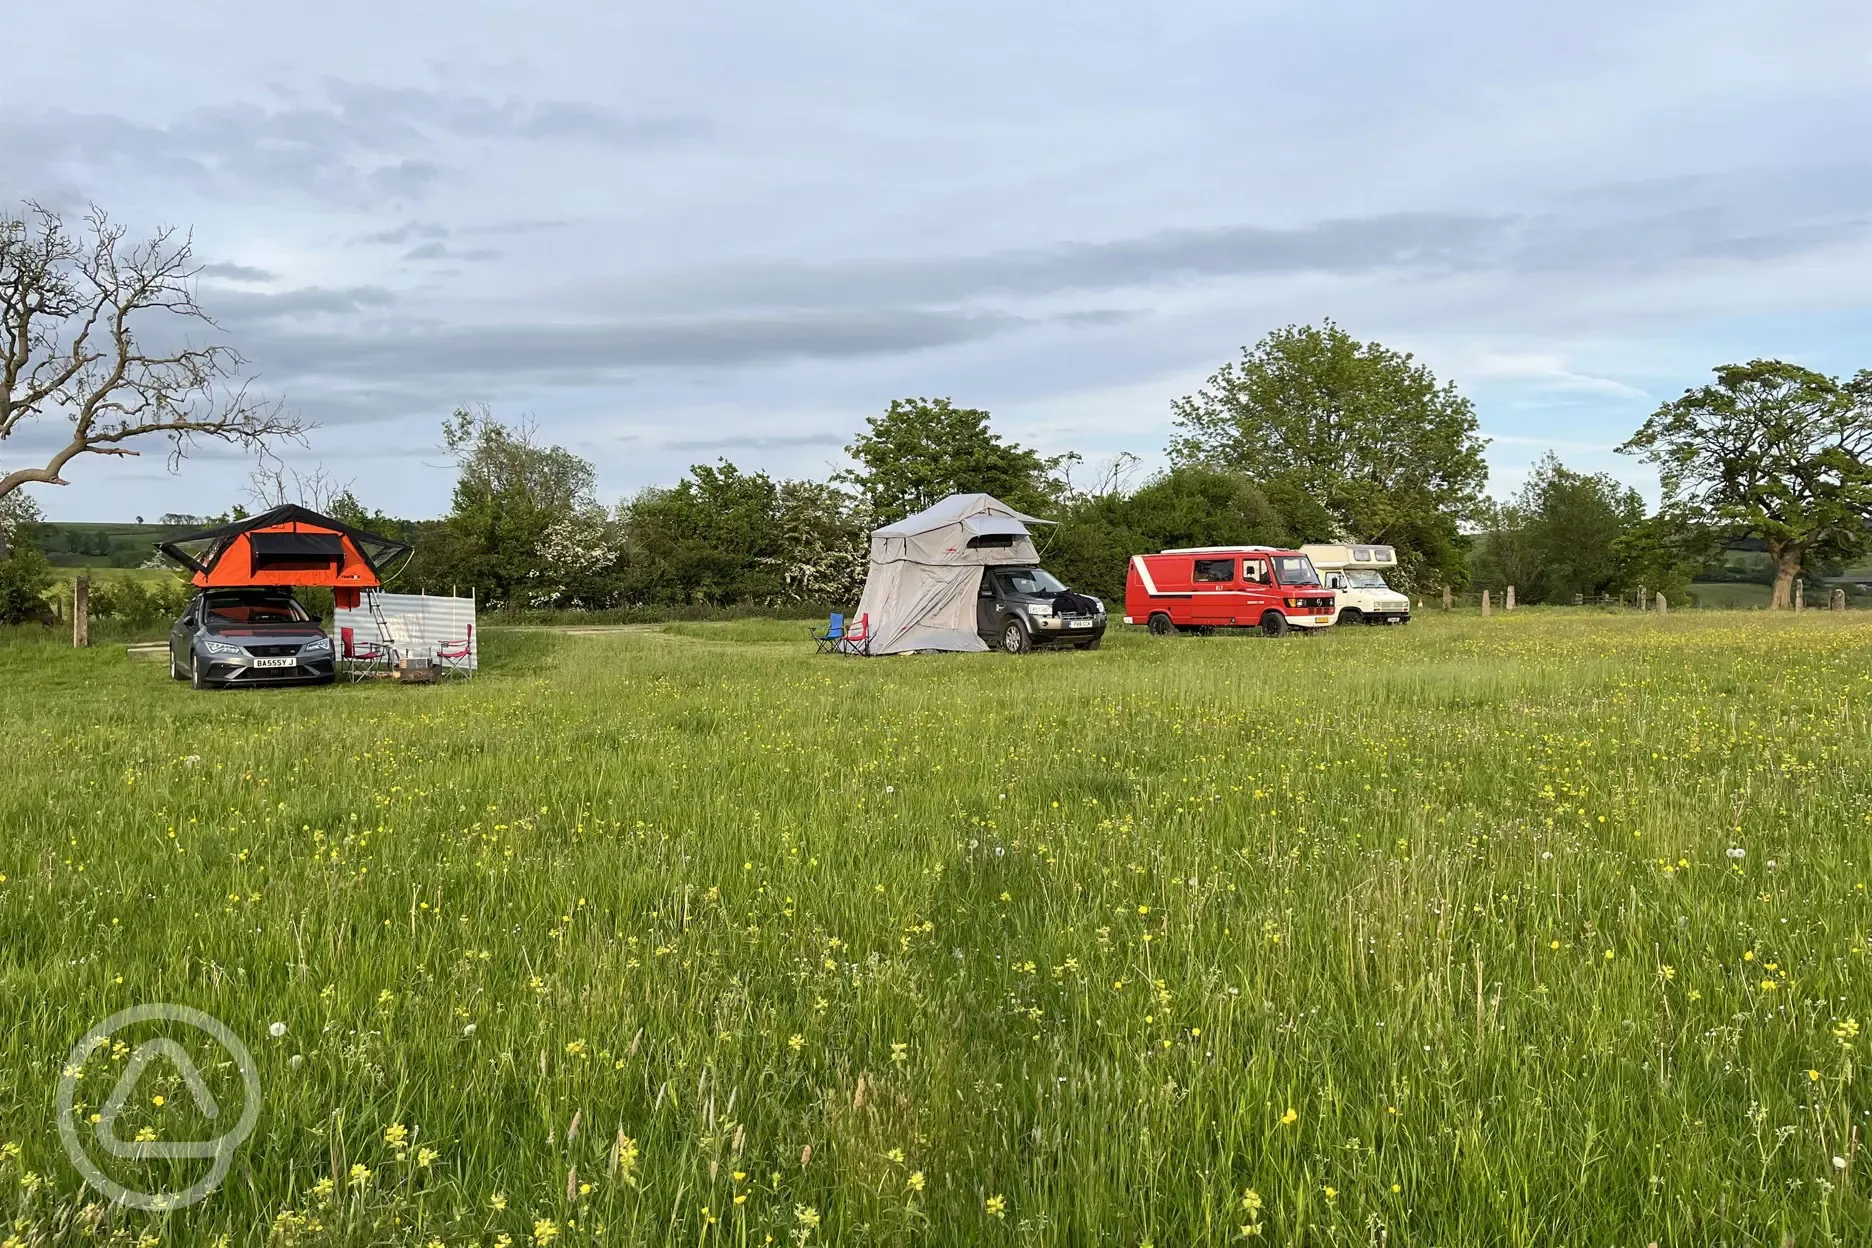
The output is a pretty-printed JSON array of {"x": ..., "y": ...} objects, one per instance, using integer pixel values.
[{"x": 1413, "y": 936}]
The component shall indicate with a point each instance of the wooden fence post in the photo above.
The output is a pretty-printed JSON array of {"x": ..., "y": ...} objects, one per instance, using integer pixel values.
[
  {"x": 1486, "y": 612},
  {"x": 1839, "y": 600},
  {"x": 1446, "y": 596},
  {"x": 1508, "y": 599},
  {"x": 81, "y": 611}
]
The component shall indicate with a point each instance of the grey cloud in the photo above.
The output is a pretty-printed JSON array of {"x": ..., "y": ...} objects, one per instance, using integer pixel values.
[
  {"x": 401, "y": 234},
  {"x": 756, "y": 442},
  {"x": 439, "y": 251},
  {"x": 239, "y": 273},
  {"x": 1611, "y": 233},
  {"x": 359, "y": 144},
  {"x": 516, "y": 227},
  {"x": 406, "y": 179},
  {"x": 593, "y": 352},
  {"x": 237, "y": 308},
  {"x": 1416, "y": 240}
]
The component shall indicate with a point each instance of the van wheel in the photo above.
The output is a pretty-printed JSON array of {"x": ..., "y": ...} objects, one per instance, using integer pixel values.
[
  {"x": 1274, "y": 624},
  {"x": 1014, "y": 638},
  {"x": 1351, "y": 615},
  {"x": 1160, "y": 625}
]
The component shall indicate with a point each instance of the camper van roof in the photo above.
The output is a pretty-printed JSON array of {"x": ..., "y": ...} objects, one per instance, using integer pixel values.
[
  {"x": 1372, "y": 553},
  {"x": 1217, "y": 550}
]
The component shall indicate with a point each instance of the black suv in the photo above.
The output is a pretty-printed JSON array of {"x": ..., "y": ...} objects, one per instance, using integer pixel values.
[
  {"x": 249, "y": 637},
  {"x": 1022, "y": 606}
]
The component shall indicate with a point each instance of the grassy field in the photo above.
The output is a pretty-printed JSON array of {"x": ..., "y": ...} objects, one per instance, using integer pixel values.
[{"x": 1544, "y": 930}]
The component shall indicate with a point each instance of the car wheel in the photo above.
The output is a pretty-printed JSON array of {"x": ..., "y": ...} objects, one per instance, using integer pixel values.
[
  {"x": 1088, "y": 645},
  {"x": 194, "y": 671},
  {"x": 1351, "y": 615},
  {"x": 175, "y": 668},
  {"x": 1274, "y": 624},
  {"x": 1014, "y": 638},
  {"x": 1160, "y": 625}
]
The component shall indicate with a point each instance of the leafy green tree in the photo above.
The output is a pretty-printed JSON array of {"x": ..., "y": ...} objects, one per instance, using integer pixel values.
[
  {"x": 510, "y": 491},
  {"x": 1770, "y": 450},
  {"x": 920, "y": 451},
  {"x": 25, "y": 573},
  {"x": 722, "y": 536},
  {"x": 1370, "y": 434},
  {"x": 1502, "y": 551},
  {"x": 1575, "y": 526}
]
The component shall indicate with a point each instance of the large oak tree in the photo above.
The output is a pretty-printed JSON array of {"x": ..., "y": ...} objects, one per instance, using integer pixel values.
[
  {"x": 1392, "y": 454},
  {"x": 1774, "y": 451}
]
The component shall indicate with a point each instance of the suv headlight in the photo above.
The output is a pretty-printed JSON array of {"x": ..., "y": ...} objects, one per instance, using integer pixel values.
[
  {"x": 221, "y": 647},
  {"x": 318, "y": 645},
  {"x": 1039, "y": 609}
]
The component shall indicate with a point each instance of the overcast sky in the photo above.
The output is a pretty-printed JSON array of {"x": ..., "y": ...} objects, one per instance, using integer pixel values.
[{"x": 670, "y": 233}]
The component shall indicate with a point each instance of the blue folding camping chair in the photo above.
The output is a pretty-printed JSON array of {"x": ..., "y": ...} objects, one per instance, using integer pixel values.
[{"x": 828, "y": 641}]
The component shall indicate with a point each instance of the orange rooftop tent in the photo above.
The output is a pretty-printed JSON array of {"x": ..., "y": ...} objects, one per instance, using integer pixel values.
[{"x": 287, "y": 546}]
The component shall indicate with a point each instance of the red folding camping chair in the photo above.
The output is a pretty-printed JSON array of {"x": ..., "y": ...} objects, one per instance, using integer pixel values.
[
  {"x": 362, "y": 659},
  {"x": 456, "y": 657}
]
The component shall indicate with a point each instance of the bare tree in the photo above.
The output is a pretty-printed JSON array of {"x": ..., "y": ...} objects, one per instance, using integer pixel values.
[
  {"x": 74, "y": 312},
  {"x": 275, "y": 485}
]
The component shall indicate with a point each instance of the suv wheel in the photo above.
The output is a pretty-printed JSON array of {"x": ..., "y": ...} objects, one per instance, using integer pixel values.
[
  {"x": 1160, "y": 625},
  {"x": 1274, "y": 624},
  {"x": 1088, "y": 645},
  {"x": 1015, "y": 638},
  {"x": 1351, "y": 615}
]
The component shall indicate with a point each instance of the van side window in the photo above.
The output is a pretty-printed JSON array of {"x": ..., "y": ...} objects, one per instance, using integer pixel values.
[
  {"x": 1214, "y": 570},
  {"x": 1255, "y": 570}
]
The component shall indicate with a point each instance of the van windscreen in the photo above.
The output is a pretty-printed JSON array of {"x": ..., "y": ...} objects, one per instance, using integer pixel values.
[{"x": 1295, "y": 570}]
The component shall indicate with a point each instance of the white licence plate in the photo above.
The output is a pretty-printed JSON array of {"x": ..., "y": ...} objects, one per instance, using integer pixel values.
[
  {"x": 1078, "y": 623},
  {"x": 283, "y": 661}
]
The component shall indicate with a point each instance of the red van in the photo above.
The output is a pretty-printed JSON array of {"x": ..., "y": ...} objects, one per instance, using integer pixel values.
[{"x": 1206, "y": 587}]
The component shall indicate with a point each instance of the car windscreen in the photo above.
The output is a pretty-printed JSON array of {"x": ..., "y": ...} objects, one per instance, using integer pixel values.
[
  {"x": 1365, "y": 580},
  {"x": 1034, "y": 581},
  {"x": 232, "y": 610},
  {"x": 1295, "y": 570}
]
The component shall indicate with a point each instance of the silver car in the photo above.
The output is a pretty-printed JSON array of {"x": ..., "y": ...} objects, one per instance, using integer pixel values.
[{"x": 231, "y": 637}]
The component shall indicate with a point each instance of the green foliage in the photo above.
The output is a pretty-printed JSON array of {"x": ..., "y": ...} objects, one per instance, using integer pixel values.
[
  {"x": 722, "y": 536},
  {"x": 1189, "y": 505},
  {"x": 511, "y": 492},
  {"x": 920, "y": 451},
  {"x": 140, "y": 601},
  {"x": 1770, "y": 450},
  {"x": 1390, "y": 454},
  {"x": 25, "y": 574}
]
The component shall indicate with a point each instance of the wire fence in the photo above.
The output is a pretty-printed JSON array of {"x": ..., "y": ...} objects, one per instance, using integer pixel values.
[{"x": 1699, "y": 597}]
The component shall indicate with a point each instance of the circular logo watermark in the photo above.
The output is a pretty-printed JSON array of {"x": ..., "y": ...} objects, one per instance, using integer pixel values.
[{"x": 220, "y": 1150}]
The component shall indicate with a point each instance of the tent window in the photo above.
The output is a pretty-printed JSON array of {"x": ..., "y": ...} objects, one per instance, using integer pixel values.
[
  {"x": 991, "y": 541},
  {"x": 1212, "y": 570},
  {"x": 295, "y": 552}
]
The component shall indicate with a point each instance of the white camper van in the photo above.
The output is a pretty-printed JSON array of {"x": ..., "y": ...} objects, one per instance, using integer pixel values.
[{"x": 1358, "y": 573}]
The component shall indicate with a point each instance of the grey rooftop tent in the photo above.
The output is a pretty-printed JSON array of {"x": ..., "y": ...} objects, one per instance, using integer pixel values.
[{"x": 926, "y": 572}]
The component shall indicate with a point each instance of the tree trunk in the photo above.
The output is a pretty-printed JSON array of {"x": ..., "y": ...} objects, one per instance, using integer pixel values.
[{"x": 1787, "y": 561}]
